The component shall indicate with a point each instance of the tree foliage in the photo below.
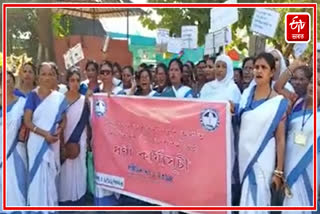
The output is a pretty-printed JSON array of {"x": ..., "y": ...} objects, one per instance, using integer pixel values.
[
  {"x": 174, "y": 18},
  {"x": 22, "y": 33}
]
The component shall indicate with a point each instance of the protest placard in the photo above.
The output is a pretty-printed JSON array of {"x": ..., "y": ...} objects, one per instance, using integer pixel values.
[
  {"x": 265, "y": 22},
  {"x": 175, "y": 45},
  {"x": 189, "y": 36},
  {"x": 221, "y": 17}
]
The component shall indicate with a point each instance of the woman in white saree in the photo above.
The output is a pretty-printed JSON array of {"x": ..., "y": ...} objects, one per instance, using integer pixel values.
[
  {"x": 73, "y": 174},
  {"x": 299, "y": 151},
  {"x": 44, "y": 113},
  {"x": 16, "y": 187},
  {"x": 262, "y": 136}
]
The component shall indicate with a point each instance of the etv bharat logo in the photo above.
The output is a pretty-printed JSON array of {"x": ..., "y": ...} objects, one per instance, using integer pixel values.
[{"x": 297, "y": 27}]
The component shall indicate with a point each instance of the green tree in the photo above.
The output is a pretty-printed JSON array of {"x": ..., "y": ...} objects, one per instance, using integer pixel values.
[
  {"x": 174, "y": 18},
  {"x": 29, "y": 28}
]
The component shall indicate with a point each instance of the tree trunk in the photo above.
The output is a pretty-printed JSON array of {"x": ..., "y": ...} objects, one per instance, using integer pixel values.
[
  {"x": 39, "y": 58},
  {"x": 257, "y": 45},
  {"x": 288, "y": 51},
  {"x": 45, "y": 32}
]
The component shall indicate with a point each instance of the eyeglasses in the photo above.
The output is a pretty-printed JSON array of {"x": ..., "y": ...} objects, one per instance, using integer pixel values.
[{"x": 105, "y": 72}]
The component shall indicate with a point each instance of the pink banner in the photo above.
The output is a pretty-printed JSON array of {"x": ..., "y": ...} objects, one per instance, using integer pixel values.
[{"x": 165, "y": 151}]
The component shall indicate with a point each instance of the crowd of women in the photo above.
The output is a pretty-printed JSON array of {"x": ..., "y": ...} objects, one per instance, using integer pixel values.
[{"x": 49, "y": 131}]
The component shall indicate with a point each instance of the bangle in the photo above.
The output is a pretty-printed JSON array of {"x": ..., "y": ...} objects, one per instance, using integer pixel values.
[
  {"x": 34, "y": 129},
  {"x": 278, "y": 172}
]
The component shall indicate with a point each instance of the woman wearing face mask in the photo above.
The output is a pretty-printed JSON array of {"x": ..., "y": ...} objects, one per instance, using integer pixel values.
[
  {"x": 73, "y": 174},
  {"x": 261, "y": 152},
  {"x": 223, "y": 87},
  {"x": 299, "y": 151},
  {"x": 117, "y": 75},
  {"x": 27, "y": 77},
  {"x": 16, "y": 164},
  {"x": 177, "y": 89},
  {"x": 43, "y": 116}
]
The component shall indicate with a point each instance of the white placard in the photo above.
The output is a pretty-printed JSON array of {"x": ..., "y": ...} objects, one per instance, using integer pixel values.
[
  {"x": 208, "y": 45},
  {"x": 217, "y": 39},
  {"x": 265, "y": 22},
  {"x": 175, "y": 45},
  {"x": 68, "y": 59},
  {"x": 162, "y": 36},
  {"x": 189, "y": 36},
  {"x": 73, "y": 56},
  {"x": 299, "y": 49},
  {"x": 77, "y": 53},
  {"x": 318, "y": 46},
  {"x": 221, "y": 17}
]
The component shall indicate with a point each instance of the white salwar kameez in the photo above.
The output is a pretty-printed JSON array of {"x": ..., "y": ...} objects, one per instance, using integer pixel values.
[
  {"x": 73, "y": 174},
  {"x": 257, "y": 147},
  {"x": 299, "y": 160},
  {"x": 44, "y": 158},
  {"x": 223, "y": 90}
]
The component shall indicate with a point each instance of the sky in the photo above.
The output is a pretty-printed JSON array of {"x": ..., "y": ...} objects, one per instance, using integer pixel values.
[{"x": 135, "y": 27}]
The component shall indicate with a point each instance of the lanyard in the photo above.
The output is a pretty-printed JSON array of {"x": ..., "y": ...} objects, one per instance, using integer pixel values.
[{"x": 303, "y": 121}]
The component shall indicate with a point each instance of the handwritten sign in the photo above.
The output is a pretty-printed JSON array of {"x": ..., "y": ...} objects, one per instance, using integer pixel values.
[
  {"x": 189, "y": 36},
  {"x": 208, "y": 45},
  {"x": 217, "y": 39},
  {"x": 162, "y": 36},
  {"x": 175, "y": 45},
  {"x": 299, "y": 49},
  {"x": 265, "y": 22},
  {"x": 221, "y": 17},
  {"x": 161, "y": 150}
]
